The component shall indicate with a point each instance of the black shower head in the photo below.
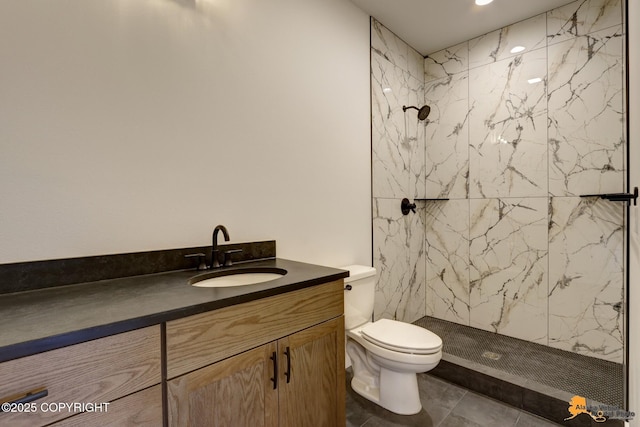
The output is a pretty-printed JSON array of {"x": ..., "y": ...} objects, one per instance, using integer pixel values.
[{"x": 423, "y": 112}]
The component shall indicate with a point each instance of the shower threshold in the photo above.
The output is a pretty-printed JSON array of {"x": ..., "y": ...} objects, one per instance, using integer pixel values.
[{"x": 539, "y": 379}]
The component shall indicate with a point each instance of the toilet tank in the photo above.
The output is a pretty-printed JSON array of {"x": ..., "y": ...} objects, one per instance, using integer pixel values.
[{"x": 358, "y": 301}]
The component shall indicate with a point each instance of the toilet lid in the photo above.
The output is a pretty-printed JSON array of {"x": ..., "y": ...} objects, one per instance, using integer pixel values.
[{"x": 402, "y": 337}]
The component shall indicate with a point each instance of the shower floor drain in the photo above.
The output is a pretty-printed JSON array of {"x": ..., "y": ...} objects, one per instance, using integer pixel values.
[{"x": 491, "y": 355}]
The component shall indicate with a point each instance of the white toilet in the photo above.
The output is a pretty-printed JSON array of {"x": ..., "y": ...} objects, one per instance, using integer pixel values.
[{"x": 386, "y": 355}]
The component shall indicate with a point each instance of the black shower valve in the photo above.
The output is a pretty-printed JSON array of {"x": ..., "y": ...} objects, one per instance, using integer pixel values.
[{"x": 407, "y": 206}]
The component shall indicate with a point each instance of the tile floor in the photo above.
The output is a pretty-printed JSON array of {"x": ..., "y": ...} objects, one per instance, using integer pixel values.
[{"x": 444, "y": 405}]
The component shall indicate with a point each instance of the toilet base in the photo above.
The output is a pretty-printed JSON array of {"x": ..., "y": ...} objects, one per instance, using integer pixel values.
[{"x": 401, "y": 397}]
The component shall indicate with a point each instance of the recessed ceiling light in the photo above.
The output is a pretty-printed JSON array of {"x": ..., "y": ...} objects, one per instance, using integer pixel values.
[
  {"x": 483, "y": 2},
  {"x": 534, "y": 80},
  {"x": 517, "y": 49}
]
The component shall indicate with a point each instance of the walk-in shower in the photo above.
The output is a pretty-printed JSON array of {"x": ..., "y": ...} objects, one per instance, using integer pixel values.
[{"x": 523, "y": 268}]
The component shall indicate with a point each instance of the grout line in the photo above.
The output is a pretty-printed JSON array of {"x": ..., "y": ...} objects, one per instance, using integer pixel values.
[{"x": 454, "y": 406}]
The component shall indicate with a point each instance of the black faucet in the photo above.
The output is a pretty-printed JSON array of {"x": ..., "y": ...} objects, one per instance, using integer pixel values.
[{"x": 215, "y": 262}]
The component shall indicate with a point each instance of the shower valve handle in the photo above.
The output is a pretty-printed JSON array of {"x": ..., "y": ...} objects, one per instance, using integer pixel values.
[{"x": 407, "y": 206}]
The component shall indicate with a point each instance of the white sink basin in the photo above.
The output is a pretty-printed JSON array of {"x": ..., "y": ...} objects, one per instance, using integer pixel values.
[{"x": 240, "y": 277}]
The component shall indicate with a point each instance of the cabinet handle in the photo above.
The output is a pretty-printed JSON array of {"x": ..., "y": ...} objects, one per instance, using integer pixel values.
[
  {"x": 30, "y": 396},
  {"x": 287, "y": 374},
  {"x": 274, "y": 357}
]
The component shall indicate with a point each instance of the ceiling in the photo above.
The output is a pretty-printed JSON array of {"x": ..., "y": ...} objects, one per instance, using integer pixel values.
[{"x": 431, "y": 25}]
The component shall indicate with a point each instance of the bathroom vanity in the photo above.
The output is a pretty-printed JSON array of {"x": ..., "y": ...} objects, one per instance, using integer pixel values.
[{"x": 153, "y": 350}]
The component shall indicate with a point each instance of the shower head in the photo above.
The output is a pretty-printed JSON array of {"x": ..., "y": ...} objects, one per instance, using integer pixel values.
[{"x": 423, "y": 112}]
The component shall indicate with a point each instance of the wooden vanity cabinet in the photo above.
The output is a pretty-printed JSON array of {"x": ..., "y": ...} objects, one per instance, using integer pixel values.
[
  {"x": 278, "y": 361},
  {"x": 118, "y": 370},
  {"x": 140, "y": 409}
]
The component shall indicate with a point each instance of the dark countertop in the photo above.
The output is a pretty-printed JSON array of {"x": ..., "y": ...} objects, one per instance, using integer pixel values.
[{"x": 42, "y": 320}]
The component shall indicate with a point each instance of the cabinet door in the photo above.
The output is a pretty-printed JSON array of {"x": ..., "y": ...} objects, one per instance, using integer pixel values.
[
  {"x": 314, "y": 392},
  {"x": 234, "y": 392}
]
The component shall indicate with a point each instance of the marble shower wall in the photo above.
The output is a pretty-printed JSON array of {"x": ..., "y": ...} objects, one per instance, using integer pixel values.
[
  {"x": 398, "y": 150},
  {"x": 513, "y": 140}
]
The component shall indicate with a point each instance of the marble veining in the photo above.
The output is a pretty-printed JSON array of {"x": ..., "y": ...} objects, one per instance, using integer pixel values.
[
  {"x": 399, "y": 261},
  {"x": 529, "y": 34},
  {"x": 446, "y": 62},
  {"x": 507, "y": 128},
  {"x": 582, "y": 17},
  {"x": 586, "y": 292},
  {"x": 398, "y": 152},
  {"x": 395, "y": 50},
  {"x": 447, "y": 150},
  {"x": 586, "y": 144},
  {"x": 447, "y": 259},
  {"x": 395, "y": 134},
  {"x": 508, "y": 275},
  {"x": 387, "y": 45}
]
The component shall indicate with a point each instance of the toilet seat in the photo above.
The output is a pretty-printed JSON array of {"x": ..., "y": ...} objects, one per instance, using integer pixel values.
[{"x": 401, "y": 337}]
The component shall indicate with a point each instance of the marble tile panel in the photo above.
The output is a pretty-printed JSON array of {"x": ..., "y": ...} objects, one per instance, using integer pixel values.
[
  {"x": 586, "y": 117},
  {"x": 447, "y": 259},
  {"x": 496, "y": 45},
  {"x": 508, "y": 128},
  {"x": 415, "y": 133},
  {"x": 586, "y": 289},
  {"x": 388, "y": 45},
  {"x": 508, "y": 267},
  {"x": 394, "y": 132},
  {"x": 398, "y": 242},
  {"x": 446, "y": 62},
  {"x": 415, "y": 63},
  {"x": 447, "y": 137},
  {"x": 395, "y": 50},
  {"x": 582, "y": 17},
  {"x": 416, "y": 306}
]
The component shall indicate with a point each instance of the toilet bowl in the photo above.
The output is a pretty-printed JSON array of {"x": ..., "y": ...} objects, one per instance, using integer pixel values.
[{"x": 386, "y": 355}]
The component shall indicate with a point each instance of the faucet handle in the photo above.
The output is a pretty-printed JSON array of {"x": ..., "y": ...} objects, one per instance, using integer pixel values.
[
  {"x": 227, "y": 256},
  {"x": 200, "y": 258},
  {"x": 215, "y": 262}
]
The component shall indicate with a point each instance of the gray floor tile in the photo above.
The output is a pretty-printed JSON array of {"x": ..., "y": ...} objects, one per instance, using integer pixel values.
[
  {"x": 444, "y": 405},
  {"x": 394, "y": 420},
  {"x": 438, "y": 397},
  {"x": 458, "y": 421},
  {"x": 485, "y": 411},
  {"x": 528, "y": 420}
]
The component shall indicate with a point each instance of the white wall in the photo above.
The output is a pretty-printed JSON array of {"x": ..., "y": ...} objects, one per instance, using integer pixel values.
[
  {"x": 634, "y": 220},
  {"x": 140, "y": 125}
]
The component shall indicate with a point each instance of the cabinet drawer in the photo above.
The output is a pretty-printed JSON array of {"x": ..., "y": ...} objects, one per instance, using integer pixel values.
[
  {"x": 140, "y": 409},
  {"x": 197, "y": 341},
  {"x": 96, "y": 371}
]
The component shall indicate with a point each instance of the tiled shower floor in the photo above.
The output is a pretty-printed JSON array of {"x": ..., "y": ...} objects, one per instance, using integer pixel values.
[{"x": 530, "y": 363}]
